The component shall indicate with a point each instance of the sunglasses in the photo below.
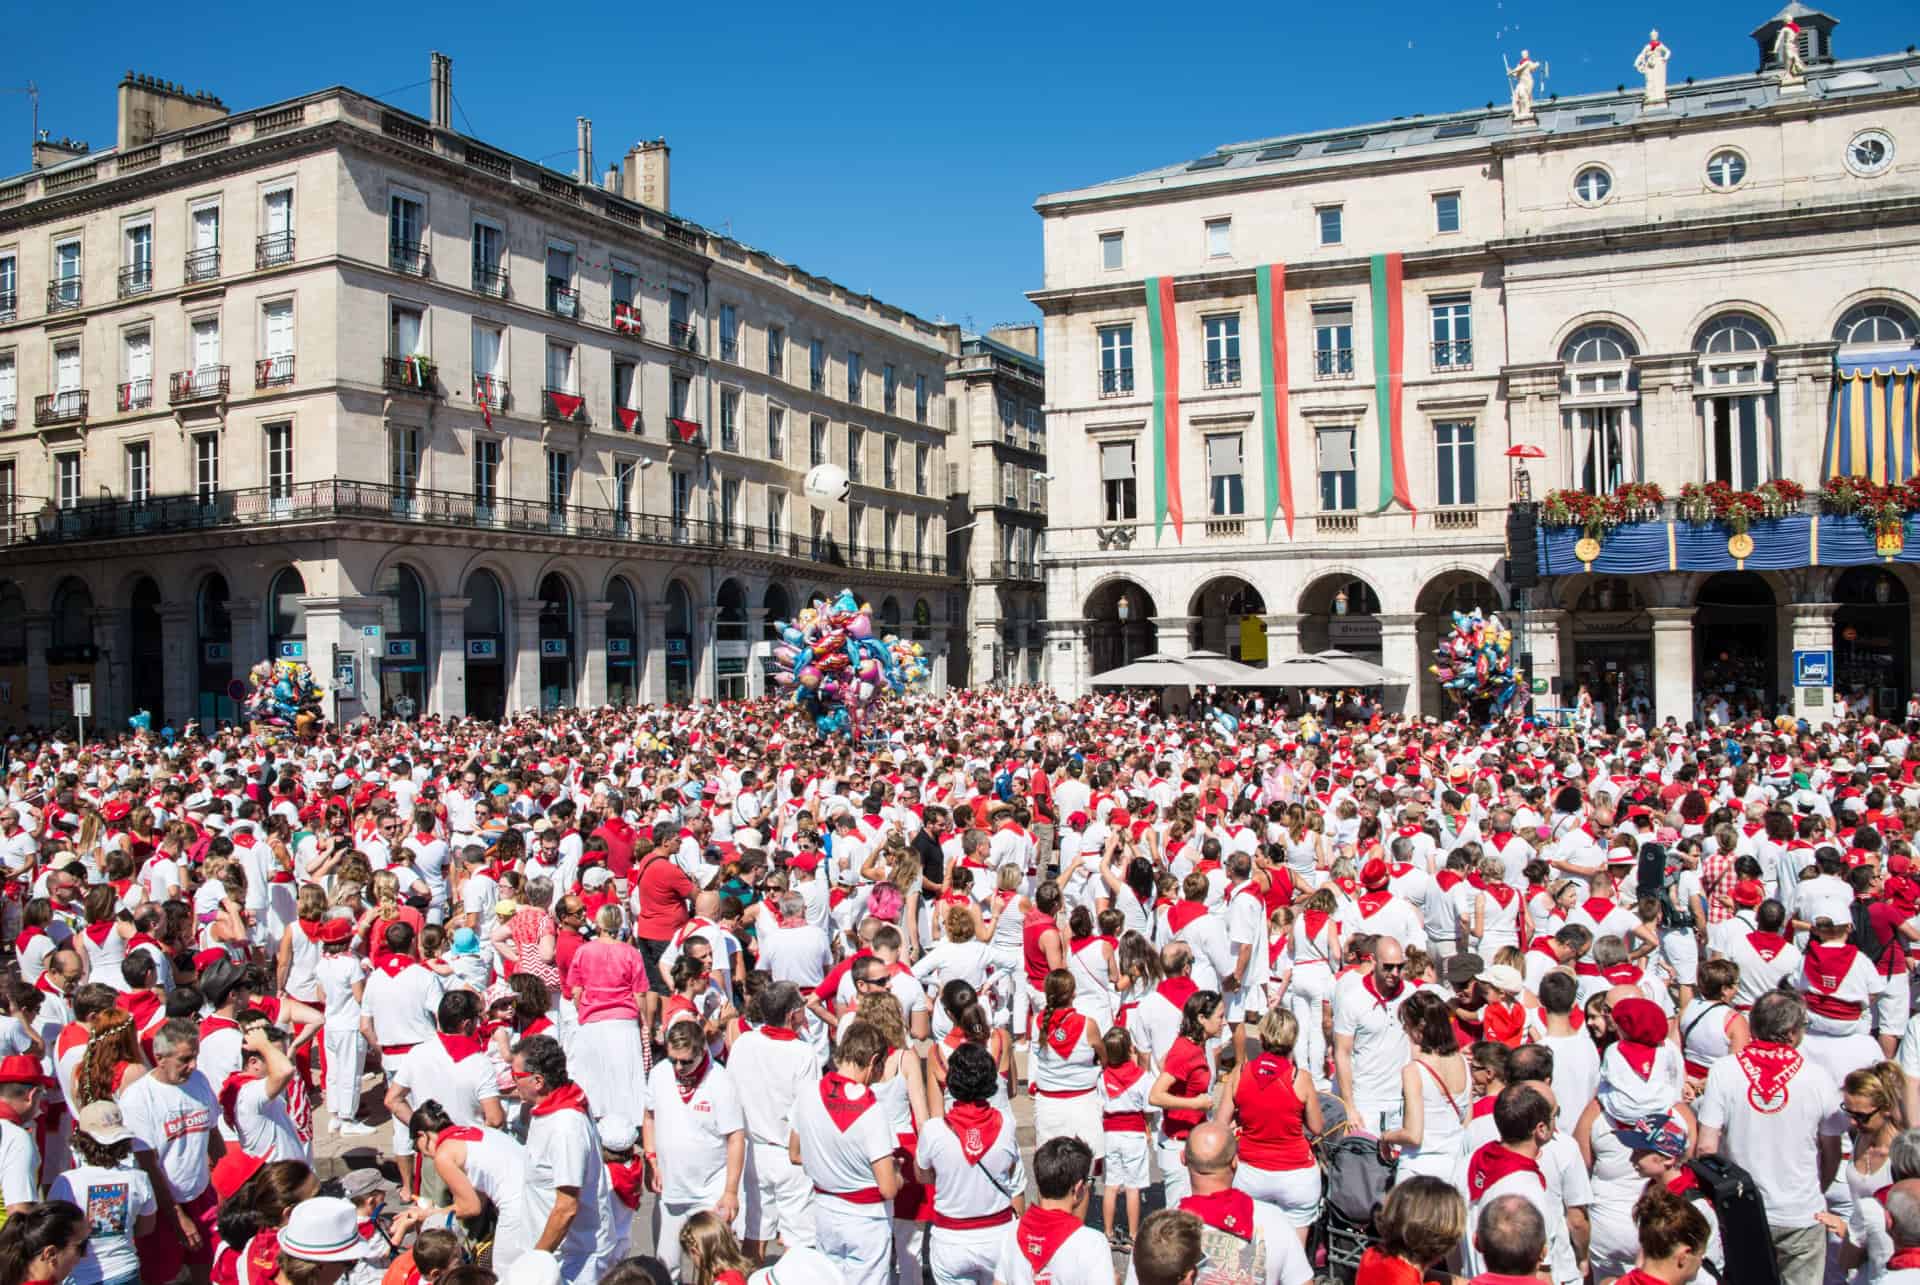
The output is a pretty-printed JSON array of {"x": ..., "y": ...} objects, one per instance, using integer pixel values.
[{"x": 1390, "y": 968}]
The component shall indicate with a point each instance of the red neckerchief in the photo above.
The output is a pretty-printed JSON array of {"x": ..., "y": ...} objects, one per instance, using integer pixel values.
[
  {"x": 539, "y": 1026},
  {"x": 263, "y": 1255},
  {"x": 1449, "y": 880},
  {"x": 699, "y": 1077},
  {"x": 1500, "y": 839},
  {"x": 976, "y": 1125},
  {"x": 211, "y": 1026},
  {"x": 1598, "y": 908},
  {"x": 1483, "y": 1108},
  {"x": 394, "y": 965},
  {"x": 778, "y": 1034},
  {"x": 1623, "y": 974},
  {"x": 1118, "y": 1079},
  {"x": 1906, "y": 1258},
  {"x": 1372, "y": 903},
  {"x": 98, "y": 933},
  {"x": 1177, "y": 991},
  {"x": 1826, "y": 966},
  {"x": 1683, "y": 1182},
  {"x": 1638, "y": 1277},
  {"x": 458, "y": 1133},
  {"x": 628, "y": 1180},
  {"x": 570, "y": 1098},
  {"x": 1505, "y": 1022},
  {"x": 1503, "y": 894},
  {"x": 1184, "y": 913},
  {"x": 1041, "y": 1232},
  {"x": 1494, "y": 1162},
  {"x": 1768, "y": 1068},
  {"x": 461, "y": 1047},
  {"x": 845, "y": 1099},
  {"x": 25, "y": 939},
  {"x": 1230, "y": 1211},
  {"x": 1767, "y": 945},
  {"x": 1062, "y": 1032},
  {"x": 1367, "y": 981}
]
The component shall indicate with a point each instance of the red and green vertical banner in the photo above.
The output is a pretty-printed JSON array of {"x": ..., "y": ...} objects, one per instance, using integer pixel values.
[
  {"x": 1163, "y": 339},
  {"x": 1270, "y": 285},
  {"x": 1389, "y": 344}
]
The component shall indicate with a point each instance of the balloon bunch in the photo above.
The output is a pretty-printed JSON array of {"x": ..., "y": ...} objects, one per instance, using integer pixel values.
[
  {"x": 141, "y": 722},
  {"x": 836, "y": 667},
  {"x": 283, "y": 695},
  {"x": 1475, "y": 661}
]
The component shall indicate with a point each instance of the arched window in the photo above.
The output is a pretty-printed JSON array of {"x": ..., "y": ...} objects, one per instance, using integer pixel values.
[
  {"x": 679, "y": 609},
  {"x": 1733, "y": 349},
  {"x": 889, "y": 615},
  {"x": 13, "y": 624},
  {"x": 730, "y": 620},
  {"x": 1877, "y": 325},
  {"x": 211, "y": 605},
  {"x": 486, "y": 605},
  {"x": 1598, "y": 400},
  {"x": 72, "y": 615},
  {"x": 556, "y": 607},
  {"x": 287, "y": 616},
  {"x": 1737, "y": 425},
  {"x": 623, "y": 609},
  {"x": 779, "y": 605},
  {"x": 404, "y": 609}
]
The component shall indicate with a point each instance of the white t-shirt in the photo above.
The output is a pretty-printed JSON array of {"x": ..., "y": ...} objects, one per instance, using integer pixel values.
[
  {"x": 1380, "y": 1044},
  {"x": 19, "y": 1166},
  {"x": 769, "y": 1074},
  {"x": 1779, "y": 1147},
  {"x": 691, "y": 1134},
  {"x": 563, "y": 1148},
  {"x": 173, "y": 1120},
  {"x": 1084, "y": 1258},
  {"x": 971, "y": 1190},
  {"x": 839, "y": 1160},
  {"x": 1286, "y": 1261},
  {"x": 113, "y": 1201},
  {"x": 265, "y": 1127},
  {"x": 799, "y": 955},
  {"x": 428, "y": 1072}
]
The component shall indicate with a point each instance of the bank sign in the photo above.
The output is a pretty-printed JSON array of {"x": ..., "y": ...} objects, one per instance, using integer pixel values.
[{"x": 1813, "y": 669}]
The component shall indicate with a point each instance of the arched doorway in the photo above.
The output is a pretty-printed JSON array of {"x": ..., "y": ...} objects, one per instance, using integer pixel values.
[
  {"x": 404, "y": 650},
  {"x": 72, "y": 651},
  {"x": 1451, "y": 591},
  {"x": 1226, "y": 615},
  {"x": 147, "y": 685},
  {"x": 1734, "y": 641},
  {"x": 922, "y": 620},
  {"x": 679, "y": 642},
  {"x": 888, "y": 620},
  {"x": 730, "y": 640},
  {"x": 287, "y": 616},
  {"x": 556, "y": 642},
  {"x": 1341, "y": 612},
  {"x": 485, "y": 625},
  {"x": 779, "y": 606},
  {"x": 13, "y": 655},
  {"x": 1120, "y": 617},
  {"x": 1612, "y": 647},
  {"x": 215, "y": 628},
  {"x": 623, "y": 642},
  {"x": 1871, "y": 639}
]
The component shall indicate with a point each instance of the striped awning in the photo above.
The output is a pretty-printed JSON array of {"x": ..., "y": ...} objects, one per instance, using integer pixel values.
[{"x": 1873, "y": 428}]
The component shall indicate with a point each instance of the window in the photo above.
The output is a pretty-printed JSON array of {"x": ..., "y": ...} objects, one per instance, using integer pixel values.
[
  {"x": 276, "y": 360},
  {"x": 680, "y": 319},
  {"x": 137, "y": 392},
  {"x": 889, "y": 388},
  {"x": 486, "y": 471},
  {"x": 560, "y": 368},
  {"x": 776, "y": 432},
  {"x": 407, "y": 331},
  {"x": 626, "y": 476},
  {"x": 816, "y": 533},
  {"x": 1009, "y": 416},
  {"x": 1333, "y": 341},
  {"x": 776, "y": 351},
  {"x": 817, "y": 443},
  {"x": 203, "y": 258},
  {"x": 66, "y": 277},
  {"x": 1735, "y": 442},
  {"x": 562, "y": 299},
  {"x": 206, "y": 355},
  {"x": 1726, "y": 169},
  {"x": 136, "y": 269},
  {"x": 403, "y": 462},
  {"x": 407, "y": 234},
  {"x": 856, "y": 526},
  {"x": 276, "y": 241},
  {"x": 682, "y": 498},
  {"x": 559, "y": 483},
  {"x": 889, "y": 532},
  {"x": 776, "y": 517},
  {"x": 1453, "y": 448},
  {"x": 1591, "y": 185},
  {"x": 1112, "y": 251},
  {"x": 1223, "y": 350},
  {"x": 817, "y": 366},
  {"x": 1117, "y": 481},
  {"x": 9, "y": 389},
  {"x": 1339, "y": 477},
  {"x": 1733, "y": 350},
  {"x": 1599, "y": 379},
  {"x": 489, "y": 259},
  {"x": 9, "y": 286},
  {"x": 1219, "y": 238},
  {"x": 729, "y": 507},
  {"x": 856, "y": 377},
  {"x": 922, "y": 527},
  {"x": 280, "y": 460},
  {"x": 730, "y": 419},
  {"x": 1329, "y": 216},
  {"x": 919, "y": 399},
  {"x": 490, "y": 365},
  {"x": 890, "y": 462},
  {"x": 1452, "y": 332},
  {"x": 1596, "y": 358},
  {"x": 626, "y": 396},
  {"x": 1116, "y": 361},
  {"x": 1877, "y": 325},
  {"x": 922, "y": 467},
  {"x": 856, "y": 452},
  {"x": 66, "y": 369},
  {"x": 1446, "y": 212},
  {"x": 66, "y": 471},
  {"x": 729, "y": 333},
  {"x": 1226, "y": 493},
  {"x": 206, "y": 467},
  {"x": 680, "y": 398},
  {"x": 139, "y": 472},
  {"x": 1010, "y": 485},
  {"x": 1601, "y": 447}
]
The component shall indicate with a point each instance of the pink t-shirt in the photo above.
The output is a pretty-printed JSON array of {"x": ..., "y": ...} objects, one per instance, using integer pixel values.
[{"x": 606, "y": 975}]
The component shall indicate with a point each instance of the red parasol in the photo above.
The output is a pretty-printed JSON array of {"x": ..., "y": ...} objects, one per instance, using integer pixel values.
[{"x": 1525, "y": 451}]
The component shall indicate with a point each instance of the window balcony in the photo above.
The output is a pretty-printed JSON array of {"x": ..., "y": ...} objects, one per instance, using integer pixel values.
[
  {"x": 490, "y": 279},
  {"x": 136, "y": 394},
  {"x": 888, "y": 403},
  {"x": 1453, "y": 354},
  {"x": 273, "y": 372},
  {"x": 409, "y": 257},
  {"x": 136, "y": 278},
  {"x": 203, "y": 383},
  {"x": 681, "y": 335},
  {"x": 563, "y": 406},
  {"x": 70, "y": 407},
  {"x": 729, "y": 438},
  {"x": 274, "y": 250},
  {"x": 1224, "y": 373},
  {"x": 730, "y": 351},
  {"x": 203, "y": 265},
  {"x": 562, "y": 299},
  {"x": 626, "y": 319},
  {"x": 9, "y": 305},
  {"x": 890, "y": 479},
  {"x": 817, "y": 379},
  {"x": 1116, "y": 381},
  {"x": 9, "y": 415},
  {"x": 1336, "y": 524},
  {"x": 1333, "y": 363},
  {"x": 413, "y": 374},
  {"x": 1461, "y": 519},
  {"x": 776, "y": 366},
  {"x": 63, "y": 295},
  {"x": 491, "y": 392}
]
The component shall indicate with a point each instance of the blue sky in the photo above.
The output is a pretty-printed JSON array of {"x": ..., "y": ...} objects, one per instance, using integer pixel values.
[{"x": 896, "y": 149}]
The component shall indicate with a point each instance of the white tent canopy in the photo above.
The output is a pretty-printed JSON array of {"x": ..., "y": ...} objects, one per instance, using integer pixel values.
[{"x": 1210, "y": 668}]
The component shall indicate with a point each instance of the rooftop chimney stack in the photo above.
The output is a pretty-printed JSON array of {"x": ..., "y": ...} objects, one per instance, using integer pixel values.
[
  {"x": 442, "y": 79},
  {"x": 583, "y": 166},
  {"x": 644, "y": 173},
  {"x": 611, "y": 181},
  {"x": 150, "y": 107}
]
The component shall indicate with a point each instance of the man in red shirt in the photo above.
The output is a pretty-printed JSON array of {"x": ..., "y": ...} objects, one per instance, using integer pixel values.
[
  {"x": 619, "y": 837},
  {"x": 663, "y": 900}
]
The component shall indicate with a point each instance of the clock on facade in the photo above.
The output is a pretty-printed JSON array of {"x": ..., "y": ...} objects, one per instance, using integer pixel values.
[{"x": 1870, "y": 152}]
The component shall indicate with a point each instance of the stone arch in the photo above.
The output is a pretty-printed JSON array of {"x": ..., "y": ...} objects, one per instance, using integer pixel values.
[
  {"x": 1112, "y": 641},
  {"x": 146, "y": 677},
  {"x": 730, "y": 602},
  {"x": 494, "y": 565},
  {"x": 1766, "y": 316},
  {"x": 1736, "y": 636},
  {"x": 634, "y": 575},
  {"x": 1598, "y": 317},
  {"x": 421, "y": 567},
  {"x": 1339, "y": 609},
  {"x": 777, "y": 600},
  {"x": 1871, "y": 294},
  {"x": 1217, "y": 610}
]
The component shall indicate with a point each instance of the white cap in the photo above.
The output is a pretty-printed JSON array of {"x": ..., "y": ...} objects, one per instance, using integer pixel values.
[{"x": 617, "y": 1133}]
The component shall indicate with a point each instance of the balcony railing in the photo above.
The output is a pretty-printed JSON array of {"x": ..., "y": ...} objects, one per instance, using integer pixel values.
[
  {"x": 9, "y": 415},
  {"x": 198, "y": 384},
  {"x": 409, "y": 375},
  {"x": 564, "y": 406},
  {"x": 1224, "y": 373},
  {"x": 681, "y": 335},
  {"x": 410, "y": 257},
  {"x": 490, "y": 279},
  {"x": 491, "y": 391},
  {"x": 9, "y": 305},
  {"x": 1333, "y": 363},
  {"x": 273, "y": 372},
  {"x": 203, "y": 265},
  {"x": 273, "y": 250},
  {"x": 729, "y": 438},
  {"x": 1453, "y": 354},
  {"x": 1463, "y": 519},
  {"x": 136, "y": 278},
  {"x": 136, "y": 394},
  {"x": 1015, "y": 570},
  {"x": 817, "y": 379},
  {"x": 776, "y": 365},
  {"x": 730, "y": 351},
  {"x": 1336, "y": 523},
  {"x": 63, "y": 295},
  {"x": 1116, "y": 381},
  {"x": 69, "y": 407},
  {"x": 562, "y": 299}
]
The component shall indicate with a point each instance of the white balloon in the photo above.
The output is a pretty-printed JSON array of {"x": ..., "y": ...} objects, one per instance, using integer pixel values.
[{"x": 827, "y": 482}]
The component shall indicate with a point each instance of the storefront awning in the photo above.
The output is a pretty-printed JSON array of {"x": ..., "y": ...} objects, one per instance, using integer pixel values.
[{"x": 1873, "y": 424}]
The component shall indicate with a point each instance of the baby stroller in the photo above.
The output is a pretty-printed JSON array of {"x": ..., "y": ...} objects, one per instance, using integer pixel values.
[{"x": 1355, "y": 1181}]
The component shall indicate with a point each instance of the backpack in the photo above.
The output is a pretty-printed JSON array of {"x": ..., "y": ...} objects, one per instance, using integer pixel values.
[
  {"x": 1658, "y": 877},
  {"x": 1863, "y": 937},
  {"x": 886, "y": 903},
  {"x": 1742, "y": 1214}
]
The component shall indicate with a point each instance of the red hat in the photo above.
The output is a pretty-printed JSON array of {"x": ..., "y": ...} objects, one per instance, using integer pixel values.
[
  {"x": 231, "y": 1174},
  {"x": 1374, "y": 873},
  {"x": 804, "y": 861},
  {"x": 1119, "y": 817},
  {"x": 335, "y": 929},
  {"x": 22, "y": 1068},
  {"x": 205, "y": 959},
  {"x": 1899, "y": 864},
  {"x": 1748, "y": 892},
  {"x": 1078, "y": 821},
  {"x": 118, "y": 810}
]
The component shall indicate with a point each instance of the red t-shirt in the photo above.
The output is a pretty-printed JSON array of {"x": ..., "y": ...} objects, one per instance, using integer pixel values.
[
  {"x": 1273, "y": 1123},
  {"x": 665, "y": 891},
  {"x": 1886, "y": 919},
  {"x": 619, "y": 837},
  {"x": 1186, "y": 1062},
  {"x": 566, "y": 943}
]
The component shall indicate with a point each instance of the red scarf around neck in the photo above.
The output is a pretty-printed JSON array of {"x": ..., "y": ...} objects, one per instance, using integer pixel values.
[
  {"x": 976, "y": 1125},
  {"x": 461, "y": 1047},
  {"x": 1768, "y": 1068},
  {"x": 1230, "y": 1211},
  {"x": 1494, "y": 1162},
  {"x": 846, "y": 1099},
  {"x": 570, "y": 1098},
  {"x": 1041, "y": 1232}
]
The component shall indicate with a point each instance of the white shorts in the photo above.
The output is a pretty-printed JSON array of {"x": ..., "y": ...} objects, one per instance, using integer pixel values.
[
  {"x": 1127, "y": 1164},
  {"x": 1681, "y": 949},
  {"x": 1174, "y": 1179},
  {"x": 1241, "y": 1000},
  {"x": 965, "y": 1257},
  {"x": 859, "y": 1245},
  {"x": 776, "y": 1200},
  {"x": 1890, "y": 1007},
  {"x": 1294, "y": 1192},
  {"x": 1079, "y": 1117}
]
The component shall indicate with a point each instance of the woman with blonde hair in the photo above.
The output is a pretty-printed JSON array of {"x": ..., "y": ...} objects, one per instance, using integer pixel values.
[
  {"x": 1499, "y": 915},
  {"x": 958, "y": 955},
  {"x": 1273, "y": 1100},
  {"x": 709, "y": 1253}
]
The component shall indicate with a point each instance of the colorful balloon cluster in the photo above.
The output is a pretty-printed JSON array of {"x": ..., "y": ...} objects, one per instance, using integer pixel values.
[
  {"x": 283, "y": 695},
  {"x": 836, "y": 667},
  {"x": 1475, "y": 661}
]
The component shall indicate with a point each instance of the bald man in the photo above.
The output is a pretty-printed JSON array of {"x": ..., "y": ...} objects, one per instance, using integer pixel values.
[
  {"x": 1369, "y": 1044},
  {"x": 728, "y": 969},
  {"x": 1509, "y": 1237},
  {"x": 1243, "y": 1237}
]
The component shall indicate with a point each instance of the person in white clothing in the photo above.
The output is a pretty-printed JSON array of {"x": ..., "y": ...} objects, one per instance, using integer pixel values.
[
  {"x": 1051, "y": 1241},
  {"x": 771, "y": 1064},
  {"x": 341, "y": 975},
  {"x": 971, "y": 1158},
  {"x": 253, "y": 1101},
  {"x": 1369, "y": 1043},
  {"x": 476, "y": 1164},
  {"x": 846, "y": 1147},
  {"x": 569, "y": 1192},
  {"x": 694, "y": 1138}
]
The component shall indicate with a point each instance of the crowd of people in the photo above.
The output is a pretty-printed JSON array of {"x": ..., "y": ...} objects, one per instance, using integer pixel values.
[{"x": 696, "y": 995}]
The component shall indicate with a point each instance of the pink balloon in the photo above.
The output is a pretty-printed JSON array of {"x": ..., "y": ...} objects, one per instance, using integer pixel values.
[
  {"x": 784, "y": 680},
  {"x": 861, "y": 626},
  {"x": 810, "y": 677}
]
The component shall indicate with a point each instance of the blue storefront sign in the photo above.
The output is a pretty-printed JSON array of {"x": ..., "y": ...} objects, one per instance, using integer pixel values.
[
  {"x": 1813, "y": 669},
  {"x": 483, "y": 649},
  {"x": 292, "y": 649}
]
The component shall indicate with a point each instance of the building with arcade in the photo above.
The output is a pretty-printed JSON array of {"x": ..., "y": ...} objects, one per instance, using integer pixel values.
[{"x": 1301, "y": 366}]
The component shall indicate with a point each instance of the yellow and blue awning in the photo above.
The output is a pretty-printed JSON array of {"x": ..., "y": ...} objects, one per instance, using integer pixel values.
[{"x": 1873, "y": 427}]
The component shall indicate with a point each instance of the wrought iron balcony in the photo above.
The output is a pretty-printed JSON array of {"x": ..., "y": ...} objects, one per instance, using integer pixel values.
[
  {"x": 1116, "y": 381},
  {"x": 730, "y": 351},
  {"x": 776, "y": 364},
  {"x": 136, "y": 394},
  {"x": 563, "y": 405},
  {"x": 273, "y": 372},
  {"x": 817, "y": 379},
  {"x": 682, "y": 335},
  {"x": 1453, "y": 354},
  {"x": 70, "y": 407},
  {"x": 490, "y": 279},
  {"x": 729, "y": 438},
  {"x": 273, "y": 250},
  {"x": 413, "y": 374},
  {"x": 410, "y": 257},
  {"x": 1333, "y": 363},
  {"x": 63, "y": 294},
  {"x": 9, "y": 305},
  {"x": 562, "y": 299},
  {"x": 197, "y": 385},
  {"x": 1224, "y": 373},
  {"x": 203, "y": 265},
  {"x": 491, "y": 391},
  {"x": 9, "y": 415},
  {"x": 136, "y": 278}
]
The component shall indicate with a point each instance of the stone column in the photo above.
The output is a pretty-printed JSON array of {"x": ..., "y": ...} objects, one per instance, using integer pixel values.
[
  {"x": 1672, "y": 662},
  {"x": 523, "y": 688},
  {"x": 1550, "y": 636},
  {"x": 179, "y": 655},
  {"x": 757, "y": 649},
  {"x": 593, "y": 672},
  {"x": 39, "y": 638},
  {"x": 1400, "y": 654},
  {"x": 448, "y": 697},
  {"x": 113, "y": 697},
  {"x": 333, "y": 629},
  {"x": 249, "y": 633},
  {"x": 1066, "y": 657},
  {"x": 1170, "y": 635},
  {"x": 1812, "y": 631},
  {"x": 706, "y": 677},
  {"x": 653, "y": 659},
  {"x": 1283, "y": 636}
]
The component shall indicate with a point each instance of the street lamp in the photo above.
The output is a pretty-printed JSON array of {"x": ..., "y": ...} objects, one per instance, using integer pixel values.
[
  {"x": 1123, "y": 609},
  {"x": 1340, "y": 602}
]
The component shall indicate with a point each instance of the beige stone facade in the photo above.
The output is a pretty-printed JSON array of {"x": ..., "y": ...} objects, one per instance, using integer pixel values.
[{"x": 270, "y": 379}]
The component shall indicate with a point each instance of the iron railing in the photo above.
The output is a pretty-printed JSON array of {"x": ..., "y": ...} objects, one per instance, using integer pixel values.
[
  {"x": 1223, "y": 373},
  {"x": 136, "y": 278},
  {"x": 1453, "y": 354},
  {"x": 1116, "y": 381},
  {"x": 490, "y": 279},
  {"x": 562, "y": 299},
  {"x": 410, "y": 257},
  {"x": 273, "y": 250},
  {"x": 63, "y": 294},
  {"x": 490, "y": 391},
  {"x": 136, "y": 394},
  {"x": 730, "y": 351},
  {"x": 203, "y": 265},
  {"x": 273, "y": 372},
  {"x": 9, "y": 305},
  {"x": 1333, "y": 363},
  {"x": 199, "y": 384},
  {"x": 817, "y": 379},
  {"x": 564, "y": 405},
  {"x": 1015, "y": 570},
  {"x": 69, "y": 407},
  {"x": 409, "y": 375},
  {"x": 682, "y": 335}
]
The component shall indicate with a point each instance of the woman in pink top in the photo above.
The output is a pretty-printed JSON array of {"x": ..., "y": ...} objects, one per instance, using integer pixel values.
[{"x": 606, "y": 981}]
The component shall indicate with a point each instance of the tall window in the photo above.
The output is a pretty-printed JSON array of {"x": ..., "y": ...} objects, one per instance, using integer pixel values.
[
  {"x": 856, "y": 526},
  {"x": 889, "y": 532},
  {"x": 817, "y": 443},
  {"x": 1333, "y": 341},
  {"x": 203, "y": 260},
  {"x": 560, "y": 367},
  {"x": 66, "y": 472},
  {"x": 66, "y": 370},
  {"x": 729, "y": 506},
  {"x": 407, "y": 233},
  {"x": 139, "y": 472},
  {"x": 682, "y": 497},
  {"x": 1339, "y": 476},
  {"x": 1113, "y": 251},
  {"x": 1597, "y": 401},
  {"x": 403, "y": 461},
  {"x": 889, "y": 387},
  {"x": 626, "y": 477},
  {"x": 562, "y": 298},
  {"x": 276, "y": 365},
  {"x": 490, "y": 364},
  {"x": 816, "y": 533},
  {"x": 1117, "y": 483},
  {"x": 1219, "y": 238},
  {"x": 9, "y": 286},
  {"x": 890, "y": 462},
  {"x": 276, "y": 242},
  {"x": 280, "y": 460},
  {"x": 776, "y": 432},
  {"x": 559, "y": 483},
  {"x": 1452, "y": 318},
  {"x": 729, "y": 333},
  {"x": 9, "y": 389},
  {"x": 922, "y": 467},
  {"x": 206, "y": 354},
  {"x": 66, "y": 274},
  {"x": 489, "y": 259},
  {"x": 776, "y": 517},
  {"x": 206, "y": 467},
  {"x": 1223, "y": 350},
  {"x": 1116, "y": 361},
  {"x": 776, "y": 351},
  {"x": 138, "y": 391},
  {"x": 1329, "y": 220},
  {"x": 407, "y": 331},
  {"x": 680, "y": 318},
  {"x": 1735, "y": 415},
  {"x": 486, "y": 472},
  {"x": 856, "y": 453},
  {"x": 680, "y": 398},
  {"x": 136, "y": 274},
  {"x": 729, "y": 419},
  {"x": 856, "y": 377},
  {"x": 1454, "y": 462},
  {"x": 1226, "y": 494},
  {"x": 1446, "y": 212},
  {"x": 817, "y": 365}
]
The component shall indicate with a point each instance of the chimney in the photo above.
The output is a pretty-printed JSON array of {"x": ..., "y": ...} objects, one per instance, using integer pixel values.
[
  {"x": 55, "y": 151},
  {"x": 442, "y": 78},
  {"x": 583, "y": 144},
  {"x": 150, "y": 107},
  {"x": 1024, "y": 339},
  {"x": 643, "y": 174},
  {"x": 611, "y": 181}
]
